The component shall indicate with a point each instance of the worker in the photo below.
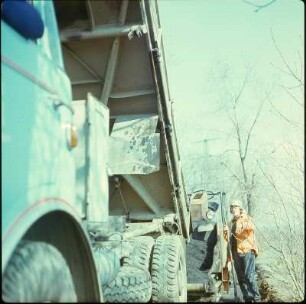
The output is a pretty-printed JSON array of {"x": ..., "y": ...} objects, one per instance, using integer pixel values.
[{"x": 244, "y": 250}]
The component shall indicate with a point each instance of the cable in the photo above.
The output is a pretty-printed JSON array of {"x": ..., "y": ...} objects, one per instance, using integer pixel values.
[
  {"x": 233, "y": 271},
  {"x": 117, "y": 186},
  {"x": 126, "y": 212}
]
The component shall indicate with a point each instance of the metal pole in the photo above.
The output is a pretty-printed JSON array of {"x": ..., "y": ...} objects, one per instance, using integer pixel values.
[{"x": 233, "y": 272}]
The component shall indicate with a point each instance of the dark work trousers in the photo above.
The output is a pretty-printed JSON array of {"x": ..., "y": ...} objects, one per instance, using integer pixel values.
[{"x": 245, "y": 268}]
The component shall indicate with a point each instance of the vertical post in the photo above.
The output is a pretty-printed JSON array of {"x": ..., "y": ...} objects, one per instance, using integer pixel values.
[{"x": 113, "y": 58}]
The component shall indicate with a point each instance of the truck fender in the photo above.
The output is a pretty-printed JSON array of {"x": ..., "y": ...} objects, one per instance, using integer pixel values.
[{"x": 60, "y": 227}]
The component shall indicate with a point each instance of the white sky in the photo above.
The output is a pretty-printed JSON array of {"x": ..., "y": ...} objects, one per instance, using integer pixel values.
[{"x": 201, "y": 37}]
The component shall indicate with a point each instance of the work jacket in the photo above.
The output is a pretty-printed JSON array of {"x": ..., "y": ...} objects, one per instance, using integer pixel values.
[{"x": 244, "y": 234}]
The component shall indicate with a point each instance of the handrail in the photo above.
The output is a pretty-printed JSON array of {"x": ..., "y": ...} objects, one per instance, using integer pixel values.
[{"x": 229, "y": 245}]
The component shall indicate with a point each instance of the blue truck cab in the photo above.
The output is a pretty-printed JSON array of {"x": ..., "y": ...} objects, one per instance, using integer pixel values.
[{"x": 38, "y": 174}]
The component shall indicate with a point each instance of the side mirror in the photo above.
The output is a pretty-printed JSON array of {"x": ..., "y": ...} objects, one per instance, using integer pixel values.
[{"x": 23, "y": 17}]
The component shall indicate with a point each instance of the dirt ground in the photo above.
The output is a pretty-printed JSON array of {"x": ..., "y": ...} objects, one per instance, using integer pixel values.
[
  {"x": 194, "y": 275},
  {"x": 194, "y": 260}
]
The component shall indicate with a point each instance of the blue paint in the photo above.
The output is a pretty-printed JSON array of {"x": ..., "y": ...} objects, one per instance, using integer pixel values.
[{"x": 23, "y": 17}]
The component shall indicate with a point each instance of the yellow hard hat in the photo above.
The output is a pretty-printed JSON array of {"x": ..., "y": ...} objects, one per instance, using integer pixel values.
[{"x": 236, "y": 203}]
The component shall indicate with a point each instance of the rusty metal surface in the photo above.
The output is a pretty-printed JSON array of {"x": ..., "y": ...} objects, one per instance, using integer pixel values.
[
  {"x": 134, "y": 145},
  {"x": 225, "y": 279},
  {"x": 107, "y": 50}
]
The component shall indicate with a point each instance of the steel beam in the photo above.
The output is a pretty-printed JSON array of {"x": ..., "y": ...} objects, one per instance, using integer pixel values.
[
  {"x": 78, "y": 59},
  {"x": 110, "y": 71},
  {"x": 87, "y": 81},
  {"x": 132, "y": 93},
  {"x": 139, "y": 188},
  {"x": 102, "y": 32},
  {"x": 196, "y": 287},
  {"x": 113, "y": 58},
  {"x": 211, "y": 287},
  {"x": 143, "y": 229},
  {"x": 90, "y": 14}
]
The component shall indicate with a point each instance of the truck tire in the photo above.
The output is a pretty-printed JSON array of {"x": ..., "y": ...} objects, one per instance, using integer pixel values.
[
  {"x": 37, "y": 272},
  {"x": 130, "y": 285},
  {"x": 141, "y": 255},
  {"x": 168, "y": 270}
]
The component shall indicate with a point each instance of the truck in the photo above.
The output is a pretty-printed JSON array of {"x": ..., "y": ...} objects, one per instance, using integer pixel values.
[
  {"x": 94, "y": 206},
  {"x": 209, "y": 273}
]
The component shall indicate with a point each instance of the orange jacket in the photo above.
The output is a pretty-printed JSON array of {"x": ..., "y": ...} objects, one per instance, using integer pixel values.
[{"x": 244, "y": 234}]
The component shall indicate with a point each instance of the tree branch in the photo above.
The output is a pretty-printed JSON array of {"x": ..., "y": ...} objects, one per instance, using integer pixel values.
[
  {"x": 293, "y": 97},
  {"x": 241, "y": 89},
  {"x": 259, "y": 7},
  {"x": 270, "y": 245},
  {"x": 233, "y": 173},
  {"x": 236, "y": 125},
  {"x": 296, "y": 283},
  {"x": 252, "y": 127},
  {"x": 280, "y": 69},
  {"x": 291, "y": 73},
  {"x": 272, "y": 183},
  {"x": 294, "y": 124}
]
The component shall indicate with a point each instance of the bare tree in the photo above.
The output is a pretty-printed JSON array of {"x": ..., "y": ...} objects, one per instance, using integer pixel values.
[
  {"x": 285, "y": 237},
  {"x": 259, "y": 6},
  {"x": 283, "y": 171},
  {"x": 295, "y": 90},
  {"x": 243, "y": 134}
]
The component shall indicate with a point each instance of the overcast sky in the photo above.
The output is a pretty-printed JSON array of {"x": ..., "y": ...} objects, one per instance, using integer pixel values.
[{"x": 212, "y": 42}]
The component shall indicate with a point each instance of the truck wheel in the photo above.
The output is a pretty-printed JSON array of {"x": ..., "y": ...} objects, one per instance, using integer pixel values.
[
  {"x": 140, "y": 257},
  {"x": 130, "y": 285},
  {"x": 37, "y": 272},
  {"x": 168, "y": 270}
]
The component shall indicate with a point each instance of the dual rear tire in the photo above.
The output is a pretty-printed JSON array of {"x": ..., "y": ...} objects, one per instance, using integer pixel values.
[
  {"x": 168, "y": 270},
  {"x": 37, "y": 272},
  {"x": 166, "y": 263},
  {"x": 133, "y": 282}
]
